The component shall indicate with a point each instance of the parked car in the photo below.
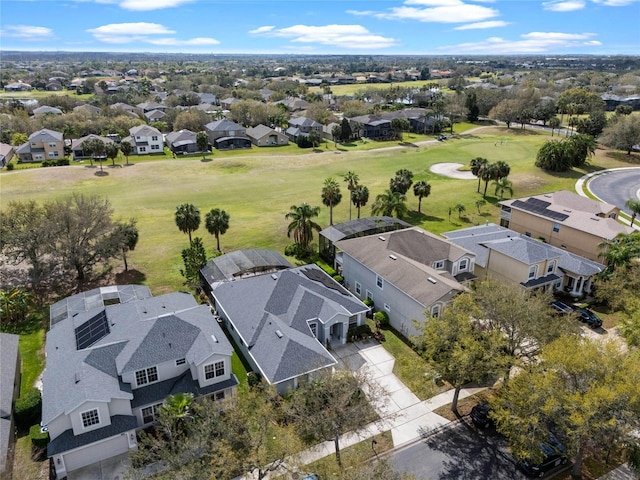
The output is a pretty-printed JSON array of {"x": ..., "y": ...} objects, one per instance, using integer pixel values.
[
  {"x": 554, "y": 457},
  {"x": 442, "y": 138},
  {"x": 589, "y": 317},
  {"x": 561, "y": 307},
  {"x": 480, "y": 415}
]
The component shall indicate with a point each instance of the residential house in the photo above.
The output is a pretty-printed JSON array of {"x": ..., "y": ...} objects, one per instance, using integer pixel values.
[
  {"x": 10, "y": 377},
  {"x": 113, "y": 354},
  {"x": 564, "y": 219},
  {"x": 19, "y": 86},
  {"x": 145, "y": 139},
  {"x": 146, "y": 107},
  {"x": 77, "y": 146},
  {"x": 283, "y": 319},
  {"x": 126, "y": 108},
  {"x": 294, "y": 104},
  {"x": 227, "y": 102},
  {"x": 182, "y": 142},
  {"x": 42, "y": 145},
  {"x": 263, "y": 136},
  {"x": 154, "y": 116},
  {"x": 508, "y": 256},
  {"x": 302, "y": 127},
  {"x": 327, "y": 131},
  {"x": 208, "y": 98},
  {"x": 373, "y": 127},
  {"x": 46, "y": 110},
  {"x": 405, "y": 273},
  {"x": 224, "y": 134},
  {"x": 87, "y": 108},
  {"x": 53, "y": 86},
  {"x": 360, "y": 227},
  {"x": 6, "y": 154}
]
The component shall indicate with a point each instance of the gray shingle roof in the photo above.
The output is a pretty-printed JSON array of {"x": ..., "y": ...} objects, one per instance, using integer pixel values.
[
  {"x": 8, "y": 362},
  {"x": 273, "y": 324},
  {"x": 142, "y": 332},
  {"x": 223, "y": 125},
  {"x": 68, "y": 441}
]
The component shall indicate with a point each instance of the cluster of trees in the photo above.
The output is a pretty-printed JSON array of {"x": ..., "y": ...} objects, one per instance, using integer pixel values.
[
  {"x": 74, "y": 234},
  {"x": 496, "y": 172},
  {"x": 187, "y": 218},
  {"x": 259, "y": 431},
  {"x": 584, "y": 391},
  {"x": 563, "y": 155}
]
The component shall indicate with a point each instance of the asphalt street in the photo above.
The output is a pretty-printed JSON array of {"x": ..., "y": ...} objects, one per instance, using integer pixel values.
[
  {"x": 616, "y": 187},
  {"x": 458, "y": 453}
]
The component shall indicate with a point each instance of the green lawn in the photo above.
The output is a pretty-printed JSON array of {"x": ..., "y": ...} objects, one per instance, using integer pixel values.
[
  {"x": 258, "y": 191},
  {"x": 32, "y": 354}
]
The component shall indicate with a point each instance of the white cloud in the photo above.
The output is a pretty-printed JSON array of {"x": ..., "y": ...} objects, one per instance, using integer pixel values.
[
  {"x": 265, "y": 29},
  {"x": 481, "y": 25},
  {"x": 141, "y": 5},
  {"x": 615, "y": 3},
  {"x": 344, "y": 36},
  {"x": 530, "y": 43},
  {"x": 435, "y": 11},
  {"x": 26, "y": 32},
  {"x": 564, "y": 5},
  {"x": 143, "y": 32}
]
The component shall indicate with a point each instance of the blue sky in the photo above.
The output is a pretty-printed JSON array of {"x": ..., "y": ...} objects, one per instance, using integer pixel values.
[{"x": 423, "y": 27}]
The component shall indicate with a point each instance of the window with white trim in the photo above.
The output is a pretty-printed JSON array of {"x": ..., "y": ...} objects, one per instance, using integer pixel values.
[
  {"x": 556, "y": 227},
  {"x": 435, "y": 311},
  {"x": 146, "y": 375},
  {"x": 358, "y": 289},
  {"x": 143, "y": 149},
  {"x": 533, "y": 272},
  {"x": 464, "y": 263},
  {"x": 213, "y": 370},
  {"x": 154, "y": 138},
  {"x": 149, "y": 413},
  {"x": 379, "y": 282},
  {"x": 551, "y": 267},
  {"x": 155, "y": 147},
  {"x": 387, "y": 307},
  {"x": 218, "y": 395},
  {"x": 180, "y": 361},
  {"x": 314, "y": 329},
  {"x": 369, "y": 295},
  {"x": 439, "y": 265},
  {"x": 90, "y": 417}
]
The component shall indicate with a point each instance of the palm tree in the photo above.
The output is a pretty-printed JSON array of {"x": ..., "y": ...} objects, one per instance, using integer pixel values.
[
  {"x": 96, "y": 148},
  {"x": 203, "y": 143},
  {"x": 359, "y": 197},
  {"x": 127, "y": 149},
  {"x": 460, "y": 208},
  {"x": 390, "y": 202},
  {"x": 502, "y": 169},
  {"x": 331, "y": 195},
  {"x": 402, "y": 181},
  {"x": 620, "y": 251},
  {"x": 175, "y": 411},
  {"x": 421, "y": 190},
  {"x": 187, "y": 219},
  {"x": 301, "y": 225},
  {"x": 217, "y": 223},
  {"x": 69, "y": 131},
  {"x": 478, "y": 165},
  {"x": 554, "y": 123},
  {"x": 633, "y": 205},
  {"x": 128, "y": 235},
  {"x": 351, "y": 178},
  {"x": 502, "y": 185},
  {"x": 488, "y": 174},
  {"x": 480, "y": 203},
  {"x": 111, "y": 151}
]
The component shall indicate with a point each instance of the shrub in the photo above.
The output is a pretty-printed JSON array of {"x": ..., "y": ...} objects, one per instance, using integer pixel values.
[
  {"x": 339, "y": 279},
  {"x": 356, "y": 333},
  {"x": 298, "y": 251},
  {"x": 253, "y": 379},
  {"x": 368, "y": 302},
  {"x": 39, "y": 440},
  {"x": 382, "y": 318},
  {"x": 327, "y": 269},
  {"x": 28, "y": 409},
  {"x": 10, "y": 166}
]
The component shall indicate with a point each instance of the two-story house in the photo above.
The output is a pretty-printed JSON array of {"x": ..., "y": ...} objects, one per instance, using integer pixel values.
[
  {"x": 508, "y": 256},
  {"x": 564, "y": 219},
  {"x": 10, "y": 377},
  {"x": 406, "y": 273},
  {"x": 302, "y": 127},
  {"x": 113, "y": 355},
  {"x": 224, "y": 135},
  {"x": 284, "y": 319},
  {"x": 43, "y": 145},
  {"x": 77, "y": 146},
  {"x": 145, "y": 139}
]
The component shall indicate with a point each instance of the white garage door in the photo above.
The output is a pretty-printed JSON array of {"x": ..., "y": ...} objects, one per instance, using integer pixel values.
[{"x": 94, "y": 453}]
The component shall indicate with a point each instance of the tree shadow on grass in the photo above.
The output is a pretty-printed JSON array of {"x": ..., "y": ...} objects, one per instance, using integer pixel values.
[
  {"x": 130, "y": 277},
  {"x": 407, "y": 144},
  {"x": 634, "y": 158},
  {"x": 206, "y": 160},
  {"x": 101, "y": 173},
  {"x": 414, "y": 218}
]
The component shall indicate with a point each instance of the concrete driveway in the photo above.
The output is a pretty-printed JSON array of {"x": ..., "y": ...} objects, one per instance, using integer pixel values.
[{"x": 112, "y": 469}]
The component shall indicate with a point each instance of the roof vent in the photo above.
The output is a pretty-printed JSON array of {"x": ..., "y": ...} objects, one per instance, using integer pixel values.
[
  {"x": 77, "y": 377},
  {"x": 432, "y": 280},
  {"x": 595, "y": 219},
  {"x": 274, "y": 276},
  {"x": 393, "y": 257},
  {"x": 381, "y": 238},
  {"x": 213, "y": 337},
  {"x": 279, "y": 334}
]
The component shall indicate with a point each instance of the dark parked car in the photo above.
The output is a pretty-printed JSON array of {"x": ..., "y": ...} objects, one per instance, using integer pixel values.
[
  {"x": 554, "y": 457},
  {"x": 589, "y": 317},
  {"x": 561, "y": 307},
  {"x": 480, "y": 415}
]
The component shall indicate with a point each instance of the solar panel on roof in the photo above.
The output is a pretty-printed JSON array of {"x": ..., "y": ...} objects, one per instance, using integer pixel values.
[
  {"x": 92, "y": 330},
  {"x": 539, "y": 203},
  {"x": 538, "y": 208}
]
